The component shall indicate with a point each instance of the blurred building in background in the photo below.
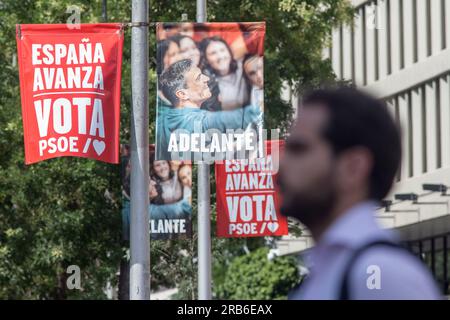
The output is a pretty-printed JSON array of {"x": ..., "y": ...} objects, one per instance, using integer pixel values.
[{"x": 399, "y": 50}]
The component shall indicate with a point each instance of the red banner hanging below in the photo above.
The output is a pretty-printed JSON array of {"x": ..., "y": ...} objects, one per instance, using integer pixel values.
[
  {"x": 248, "y": 198},
  {"x": 70, "y": 90}
]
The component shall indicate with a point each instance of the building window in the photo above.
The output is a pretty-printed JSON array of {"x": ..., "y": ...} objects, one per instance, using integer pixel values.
[
  {"x": 444, "y": 27},
  {"x": 388, "y": 32},
  {"x": 415, "y": 35},
  {"x": 401, "y": 24},
  {"x": 438, "y": 124},
  {"x": 435, "y": 252},
  {"x": 424, "y": 128},
  {"x": 410, "y": 135}
]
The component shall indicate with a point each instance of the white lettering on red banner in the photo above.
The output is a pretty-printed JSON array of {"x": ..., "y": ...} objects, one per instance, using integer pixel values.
[{"x": 70, "y": 90}]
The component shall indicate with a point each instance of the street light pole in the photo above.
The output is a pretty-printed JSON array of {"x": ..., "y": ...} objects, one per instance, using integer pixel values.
[
  {"x": 139, "y": 224},
  {"x": 204, "y": 214},
  {"x": 104, "y": 11}
]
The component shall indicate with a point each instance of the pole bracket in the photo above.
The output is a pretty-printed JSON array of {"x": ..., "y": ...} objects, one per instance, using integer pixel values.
[
  {"x": 138, "y": 24},
  {"x": 19, "y": 32}
]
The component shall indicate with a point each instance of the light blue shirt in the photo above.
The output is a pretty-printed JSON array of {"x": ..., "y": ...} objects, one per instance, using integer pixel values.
[{"x": 399, "y": 275}]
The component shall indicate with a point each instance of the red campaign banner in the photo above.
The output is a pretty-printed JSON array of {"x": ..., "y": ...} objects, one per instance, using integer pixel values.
[
  {"x": 248, "y": 200},
  {"x": 70, "y": 90}
]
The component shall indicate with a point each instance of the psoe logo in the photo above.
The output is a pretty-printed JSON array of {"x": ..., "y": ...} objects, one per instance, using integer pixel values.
[
  {"x": 374, "y": 279},
  {"x": 74, "y": 280}
]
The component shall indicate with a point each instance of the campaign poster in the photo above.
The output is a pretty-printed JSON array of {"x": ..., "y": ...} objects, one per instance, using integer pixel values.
[
  {"x": 70, "y": 90},
  {"x": 248, "y": 200},
  {"x": 170, "y": 196},
  {"x": 210, "y": 97}
]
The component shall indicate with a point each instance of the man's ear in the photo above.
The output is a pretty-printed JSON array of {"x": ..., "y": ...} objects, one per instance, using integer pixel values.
[
  {"x": 358, "y": 164},
  {"x": 181, "y": 95}
]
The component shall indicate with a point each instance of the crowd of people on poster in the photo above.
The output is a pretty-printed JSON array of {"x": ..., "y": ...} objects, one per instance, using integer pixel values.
[
  {"x": 210, "y": 76},
  {"x": 210, "y": 79},
  {"x": 170, "y": 196}
]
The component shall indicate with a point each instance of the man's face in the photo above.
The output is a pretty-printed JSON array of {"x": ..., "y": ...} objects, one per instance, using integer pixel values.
[
  {"x": 255, "y": 72},
  {"x": 197, "y": 89},
  {"x": 307, "y": 178}
]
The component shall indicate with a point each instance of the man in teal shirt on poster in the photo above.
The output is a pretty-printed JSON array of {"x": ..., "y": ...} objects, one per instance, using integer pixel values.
[{"x": 186, "y": 88}]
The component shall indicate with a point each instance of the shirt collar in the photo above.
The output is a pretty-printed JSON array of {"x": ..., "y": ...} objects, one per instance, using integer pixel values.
[
  {"x": 352, "y": 226},
  {"x": 353, "y": 229}
]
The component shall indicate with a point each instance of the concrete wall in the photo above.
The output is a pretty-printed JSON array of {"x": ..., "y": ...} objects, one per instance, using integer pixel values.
[{"x": 399, "y": 50}]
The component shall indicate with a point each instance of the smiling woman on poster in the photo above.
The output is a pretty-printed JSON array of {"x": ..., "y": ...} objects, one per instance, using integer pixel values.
[
  {"x": 167, "y": 179},
  {"x": 218, "y": 58}
]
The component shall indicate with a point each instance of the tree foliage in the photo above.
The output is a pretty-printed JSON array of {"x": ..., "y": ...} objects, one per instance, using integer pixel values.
[
  {"x": 59, "y": 212},
  {"x": 254, "y": 276},
  {"x": 67, "y": 211}
]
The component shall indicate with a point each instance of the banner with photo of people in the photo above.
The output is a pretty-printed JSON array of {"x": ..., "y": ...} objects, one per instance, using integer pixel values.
[
  {"x": 170, "y": 195},
  {"x": 210, "y": 99}
]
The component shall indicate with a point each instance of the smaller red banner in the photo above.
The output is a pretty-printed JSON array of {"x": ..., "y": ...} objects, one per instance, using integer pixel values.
[{"x": 248, "y": 200}]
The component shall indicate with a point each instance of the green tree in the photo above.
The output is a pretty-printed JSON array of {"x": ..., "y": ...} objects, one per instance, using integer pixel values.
[
  {"x": 254, "y": 276},
  {"x": 58, "y": 212},
  {"x": 67, "y": 211}
]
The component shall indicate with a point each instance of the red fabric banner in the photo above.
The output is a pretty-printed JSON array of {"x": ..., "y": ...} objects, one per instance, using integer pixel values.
[
  {"x": 70, "y": 90},
  {"x": 247, "y": 196}
]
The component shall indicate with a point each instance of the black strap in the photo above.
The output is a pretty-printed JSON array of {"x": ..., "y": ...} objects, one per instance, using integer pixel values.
[{"x": 344, "y": 293}]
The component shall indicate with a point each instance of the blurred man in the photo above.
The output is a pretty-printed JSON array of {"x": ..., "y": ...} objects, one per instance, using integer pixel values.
[{"x": 340, "y": 161}]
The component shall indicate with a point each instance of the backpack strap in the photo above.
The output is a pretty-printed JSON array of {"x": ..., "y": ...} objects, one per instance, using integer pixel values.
[{"x": 344, "y": 293}]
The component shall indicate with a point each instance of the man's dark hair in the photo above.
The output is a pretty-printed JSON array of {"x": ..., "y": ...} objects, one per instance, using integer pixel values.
[
  {"x": 173, "y": 79},
  {"x": 357, "y": 119}
]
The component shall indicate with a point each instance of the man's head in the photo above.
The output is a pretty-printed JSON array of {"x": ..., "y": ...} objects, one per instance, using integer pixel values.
[
  {"x": 343, "y": 149},
  {"x": 183, "y": 84}
]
